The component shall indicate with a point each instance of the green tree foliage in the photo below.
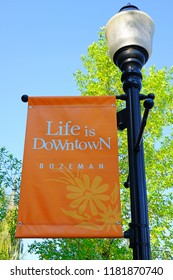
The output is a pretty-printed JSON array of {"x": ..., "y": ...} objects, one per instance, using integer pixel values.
[
  {"x": 10, "y": 170},
  {"x": 99, "y": 76}
]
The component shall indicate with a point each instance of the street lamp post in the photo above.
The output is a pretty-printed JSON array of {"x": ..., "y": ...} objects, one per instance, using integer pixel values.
[{"x": 129, "y": 35}]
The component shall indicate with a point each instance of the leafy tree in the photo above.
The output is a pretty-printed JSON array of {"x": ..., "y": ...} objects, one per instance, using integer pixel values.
[
  {"x": 99, "y": 76},
  {"x": 10, "y": 169}
]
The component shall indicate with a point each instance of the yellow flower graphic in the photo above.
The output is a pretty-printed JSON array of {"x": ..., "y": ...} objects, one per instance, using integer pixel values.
[
  {"x": 90, "y": 202},
  {"x": 111, "y": 218},
  {"x": 88, "y": 194}
]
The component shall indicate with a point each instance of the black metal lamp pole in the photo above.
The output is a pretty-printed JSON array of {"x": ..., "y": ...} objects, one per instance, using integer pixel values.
[
  {"x": 139, "y": 227},
  {"x": 129, "y": 50}
]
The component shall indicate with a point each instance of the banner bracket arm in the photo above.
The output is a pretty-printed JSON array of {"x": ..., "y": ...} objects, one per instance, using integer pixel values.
[
  {"x": 121, "y": 97},
  {"x": 148, "y": 105}
]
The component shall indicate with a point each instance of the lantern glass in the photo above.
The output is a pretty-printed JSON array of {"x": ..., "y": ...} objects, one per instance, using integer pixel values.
[{"x": 129, "y": 27}]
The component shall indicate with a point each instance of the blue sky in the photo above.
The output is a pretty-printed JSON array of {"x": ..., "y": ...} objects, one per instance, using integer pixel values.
[
  {"x": 41, "y": 45},
  {"x": 41, "y": 42}
]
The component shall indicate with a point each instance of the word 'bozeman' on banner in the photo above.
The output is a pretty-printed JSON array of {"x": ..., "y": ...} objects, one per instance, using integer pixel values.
[{"x": 70, "y": 179}]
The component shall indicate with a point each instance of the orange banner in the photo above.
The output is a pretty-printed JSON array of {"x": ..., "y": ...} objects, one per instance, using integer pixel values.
[{"x": 70, "y": 179}]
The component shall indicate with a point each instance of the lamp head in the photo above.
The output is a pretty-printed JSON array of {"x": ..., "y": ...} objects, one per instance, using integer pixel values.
[{"x": 129, "y": 28}]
